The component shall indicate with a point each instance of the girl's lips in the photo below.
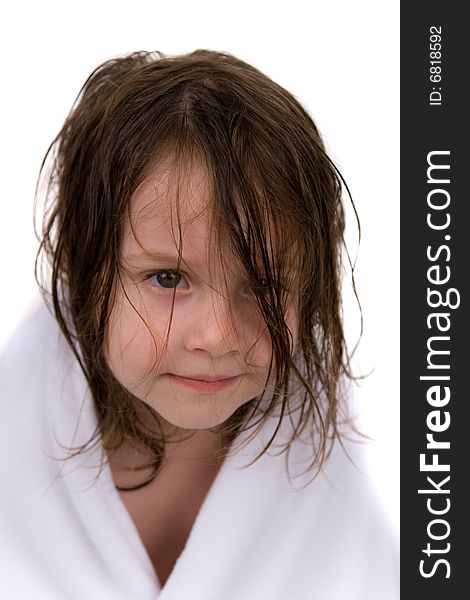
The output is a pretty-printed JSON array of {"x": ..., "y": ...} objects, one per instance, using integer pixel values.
[{"x": 201, "y": 385}]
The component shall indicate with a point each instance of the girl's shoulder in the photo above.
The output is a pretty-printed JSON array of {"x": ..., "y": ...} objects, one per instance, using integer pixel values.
[
  {"x": 43, "y": 394},
  {"x": 35, "y": 345}
]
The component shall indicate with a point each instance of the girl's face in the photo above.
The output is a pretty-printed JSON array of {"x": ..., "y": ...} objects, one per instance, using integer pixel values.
[{"x": 214, "y": 360}]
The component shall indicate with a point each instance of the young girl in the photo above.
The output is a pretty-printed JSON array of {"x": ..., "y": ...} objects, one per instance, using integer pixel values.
[{"x": 180, "y": 429}]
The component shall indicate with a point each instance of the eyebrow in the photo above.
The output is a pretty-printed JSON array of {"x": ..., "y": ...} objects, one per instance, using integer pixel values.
[{"x": 154, "y": 255}]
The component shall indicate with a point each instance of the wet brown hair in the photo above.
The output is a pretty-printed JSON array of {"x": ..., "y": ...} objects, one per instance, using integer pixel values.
[{"x": 276, "y": 199}]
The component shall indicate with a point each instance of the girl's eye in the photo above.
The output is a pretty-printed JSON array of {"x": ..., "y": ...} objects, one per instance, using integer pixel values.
[
  {"x": 265, "y": 283},
  {"x": 263, "y": 287},
  {"x": 167, "y": 279}
]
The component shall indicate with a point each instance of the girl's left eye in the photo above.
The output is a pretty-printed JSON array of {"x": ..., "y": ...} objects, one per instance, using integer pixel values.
[
  {"x": 263, "y": 287},
  {"x": 168, "y": 279}
]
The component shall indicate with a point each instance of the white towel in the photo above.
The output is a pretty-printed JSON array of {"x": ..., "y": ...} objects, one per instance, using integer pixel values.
[{"x": 65, "y": 536}]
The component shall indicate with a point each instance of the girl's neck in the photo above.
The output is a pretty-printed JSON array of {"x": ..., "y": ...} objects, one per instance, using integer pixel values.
[{"x": 184, "y": 451}]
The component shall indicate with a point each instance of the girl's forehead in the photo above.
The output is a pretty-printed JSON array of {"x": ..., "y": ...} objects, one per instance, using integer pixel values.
[
  {"x": 174, "y": 207},
  {"x": 170, "y": 212},
  {"x": 171, "y": 195}
]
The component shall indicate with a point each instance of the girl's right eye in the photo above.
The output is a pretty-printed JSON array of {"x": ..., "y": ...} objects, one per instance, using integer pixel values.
[{"x": 167, "y": 279}]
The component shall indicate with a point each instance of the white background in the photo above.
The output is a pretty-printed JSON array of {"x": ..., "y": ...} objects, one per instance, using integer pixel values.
[{"x": 339, "y": 58}]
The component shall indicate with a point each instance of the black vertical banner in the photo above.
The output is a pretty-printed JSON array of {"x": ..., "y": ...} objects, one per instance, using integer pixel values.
[{"x": 435, "y": 274}]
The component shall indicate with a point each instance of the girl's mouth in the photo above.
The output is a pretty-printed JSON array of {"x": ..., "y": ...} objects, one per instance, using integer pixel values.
[{"x": 200, "y": 384}]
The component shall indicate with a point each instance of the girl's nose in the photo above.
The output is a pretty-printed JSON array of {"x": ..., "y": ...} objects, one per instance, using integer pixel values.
[{"x": 210, "y": 326}]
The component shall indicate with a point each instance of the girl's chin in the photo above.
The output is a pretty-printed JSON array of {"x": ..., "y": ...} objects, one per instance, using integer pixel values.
[{"x": 194, "y": 417}]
